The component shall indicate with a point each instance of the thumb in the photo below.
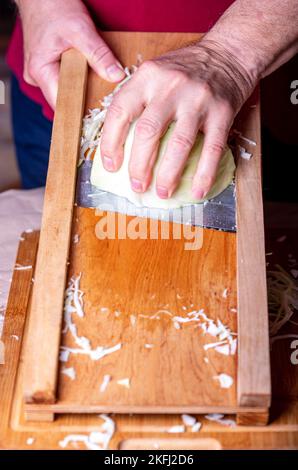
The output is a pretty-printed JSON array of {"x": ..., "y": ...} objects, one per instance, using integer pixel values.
[
  {"x": 28, "y": 70},
  {"x": 46, "y": 77},
  {"x": 99, "y": 56}
]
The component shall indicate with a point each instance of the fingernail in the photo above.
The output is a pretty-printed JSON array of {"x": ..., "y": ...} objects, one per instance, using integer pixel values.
[
  {"x": 115, "y": 72},
  {"x": 108, "y": 163},
  {"x": 162, "y": 192},
  {"x": 136, "y": 185},
  {"x": 199, "y": 193}
]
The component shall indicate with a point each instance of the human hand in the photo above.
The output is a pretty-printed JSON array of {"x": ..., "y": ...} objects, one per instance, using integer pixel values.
[
  {"x": 52, "y": 26},
  {"x": 200, "y": 87}
]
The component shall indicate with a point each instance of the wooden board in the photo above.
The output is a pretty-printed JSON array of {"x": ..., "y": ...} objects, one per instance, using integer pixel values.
[
  {"x": 138, "y": 431},
  {"x": 144, "y": 277},
  {"x": 139, "y": 277},
  {"x": 51, "y": 269},
  {"x": 253, "y": 388}
]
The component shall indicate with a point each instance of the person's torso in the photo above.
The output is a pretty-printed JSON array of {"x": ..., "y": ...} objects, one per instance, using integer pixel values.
[{"x": 157, "y": 15}]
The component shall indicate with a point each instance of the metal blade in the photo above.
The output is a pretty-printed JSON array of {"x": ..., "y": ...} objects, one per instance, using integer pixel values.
[{"x": 218, "y": 213}]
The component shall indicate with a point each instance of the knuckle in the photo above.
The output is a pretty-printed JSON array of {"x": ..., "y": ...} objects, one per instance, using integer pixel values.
[
  {"x": 166, "y": 180},
  {"x": 205, "y": 88},
  {"x": 178, "y": 77},
  {"x": 215, "y": 144},
  {"x": 147, "y": 127},
  {"x": 148, "y": 67},
  {"x": 117, "y": 111},
  {"x": 224, "y": 108},
  {"x": 137, "y": 173},
  {"x": 174, "y": 79},
  {"x": 104, "y": 147},
  {"x": 182, "y": 142},
  {"x": 99, "y": 53},
  {"x": 170, "y": 171},
  {"x": 202, "y": 95},
  {"x": 138, "y": 169},
  {"x": 169, "y": 179},
  {"x": 140, "y": 166},
  {"x": 215, "y": 147},
  {"x": 206, "y": 179}
]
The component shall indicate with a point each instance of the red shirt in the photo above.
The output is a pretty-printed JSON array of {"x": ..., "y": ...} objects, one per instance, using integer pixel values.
[{"x": 128, "y": 15}]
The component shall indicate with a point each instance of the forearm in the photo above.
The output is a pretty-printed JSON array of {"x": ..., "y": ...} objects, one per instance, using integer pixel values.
[{"x": 262, "y": 35}]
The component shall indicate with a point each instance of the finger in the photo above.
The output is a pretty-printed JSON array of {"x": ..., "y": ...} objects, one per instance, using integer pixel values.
[
  {"x": 126, "y": 106},
  {"x": 176, "y": 154},
  {"x": 149, "y": 129},
  {"x": 46, "y": 77},
  {"x": 216, "y": 133},
  {"x": 99, "y": 55}
]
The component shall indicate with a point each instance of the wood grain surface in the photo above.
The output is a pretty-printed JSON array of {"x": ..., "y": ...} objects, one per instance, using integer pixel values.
[
  {"x": 122, "y": 278},
  {"x": 132, "y": 431},
  {"x": 143, "y": 278},
  {"x": 51, "y": 268},
  {"x": 254, "y": 385}
]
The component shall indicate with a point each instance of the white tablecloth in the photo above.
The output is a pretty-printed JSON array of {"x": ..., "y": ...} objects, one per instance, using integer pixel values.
[{"x": 19, "y": 210}]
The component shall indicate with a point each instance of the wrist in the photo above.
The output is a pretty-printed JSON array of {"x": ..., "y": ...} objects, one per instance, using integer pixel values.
[
  {"x": 28, "y": 7},
  {"x": 237, "y": 83},
  {"x": 241, "y": 51},
  {"x": 45, "y": 7}
]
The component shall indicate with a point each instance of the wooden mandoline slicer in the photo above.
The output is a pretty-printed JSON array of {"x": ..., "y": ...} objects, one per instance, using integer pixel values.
[{"x": 169, "y": 370}]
